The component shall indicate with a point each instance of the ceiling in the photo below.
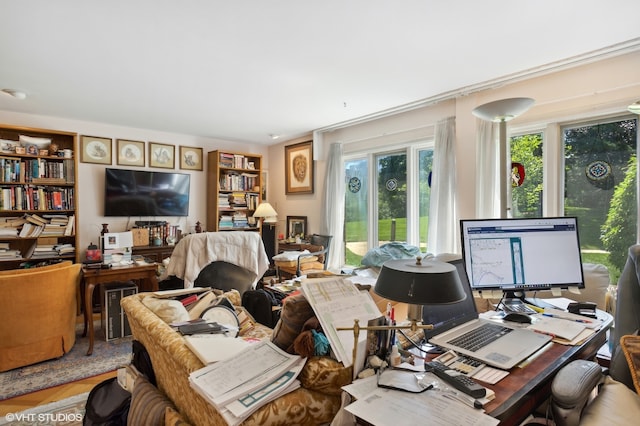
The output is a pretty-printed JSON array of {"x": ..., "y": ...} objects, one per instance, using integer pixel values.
[{"x": 247, "y": 69}]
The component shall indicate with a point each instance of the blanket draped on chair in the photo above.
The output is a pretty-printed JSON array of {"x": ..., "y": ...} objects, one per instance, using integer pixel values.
[{"x": 195, "y": 251}]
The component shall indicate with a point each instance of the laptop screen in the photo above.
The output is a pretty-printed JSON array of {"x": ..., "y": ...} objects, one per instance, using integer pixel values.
[{"x": 446, "y": 317}]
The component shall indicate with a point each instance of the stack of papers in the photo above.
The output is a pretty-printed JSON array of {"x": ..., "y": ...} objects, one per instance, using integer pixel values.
[
  {"x": 240, "y": 385},
  {"x": 210, "y": 348},
  {"x": 440, "y": 405},
  {"x": 337, "y": 302},
  {"x": 565, "y": 328}
]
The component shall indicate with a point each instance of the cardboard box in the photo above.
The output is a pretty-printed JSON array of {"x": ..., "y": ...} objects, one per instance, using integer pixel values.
[{"x": 140, "y": 236}]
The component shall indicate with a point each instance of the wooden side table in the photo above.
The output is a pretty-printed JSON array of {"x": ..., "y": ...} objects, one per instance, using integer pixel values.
[{"x": 146, "y": 274}]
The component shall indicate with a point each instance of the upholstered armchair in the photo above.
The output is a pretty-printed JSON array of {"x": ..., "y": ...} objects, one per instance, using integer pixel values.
[
  {"x": 617, "y": 401},
  {"x": 37, "y": 313},
  {"x": 314, "y": 261}
]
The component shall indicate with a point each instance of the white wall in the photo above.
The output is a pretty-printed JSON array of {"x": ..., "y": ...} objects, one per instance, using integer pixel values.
[
  {"x": 595, "y": 90},
  {"x": 91, "y": 176}
]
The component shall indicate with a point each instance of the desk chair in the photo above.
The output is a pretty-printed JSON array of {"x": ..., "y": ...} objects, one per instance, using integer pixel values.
[
  {"x": 617, "y": 401},
  {"x": 319, "y": 246}
]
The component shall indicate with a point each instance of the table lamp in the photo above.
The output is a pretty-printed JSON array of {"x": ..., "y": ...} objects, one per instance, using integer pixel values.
[
  {"x": 266, "y": 212},
  {"x": 417, "y": 283}
]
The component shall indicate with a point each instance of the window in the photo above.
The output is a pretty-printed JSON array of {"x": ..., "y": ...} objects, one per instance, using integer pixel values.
[
  {"x": 386, "y": 199},
  {"x": 526, "y": 175},
  {"x": 600, "y": 167},
  {"x": 356, "y": 209},
  {"x": 392, "y": 197}
]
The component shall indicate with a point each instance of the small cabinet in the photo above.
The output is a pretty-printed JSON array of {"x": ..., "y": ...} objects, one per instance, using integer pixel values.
[
  {"x": 38, "y": 205},
  {"x": 233, "y": 191}
]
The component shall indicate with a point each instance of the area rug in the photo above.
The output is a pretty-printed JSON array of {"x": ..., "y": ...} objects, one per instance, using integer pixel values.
[
  {"x": 73, "y": 366},
  {"x": 67, "y": 411}
]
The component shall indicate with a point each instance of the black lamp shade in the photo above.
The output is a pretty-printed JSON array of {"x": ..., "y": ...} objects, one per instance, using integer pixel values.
[{"x": 412, "y": 281}]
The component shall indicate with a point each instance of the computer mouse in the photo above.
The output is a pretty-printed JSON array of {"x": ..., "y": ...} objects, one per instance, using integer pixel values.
[{"x": 517, "y": 317}]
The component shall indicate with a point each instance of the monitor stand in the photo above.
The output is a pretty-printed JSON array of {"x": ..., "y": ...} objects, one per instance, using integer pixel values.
[{"x": 515, "y": 302}]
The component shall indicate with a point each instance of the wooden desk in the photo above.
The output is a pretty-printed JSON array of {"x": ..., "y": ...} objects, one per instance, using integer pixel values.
[
  {"x": 527, "y": 387},
  {"x": 92, "y": 277}
]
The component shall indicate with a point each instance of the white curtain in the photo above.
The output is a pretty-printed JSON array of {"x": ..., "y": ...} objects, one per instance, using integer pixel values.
[
  {"x": 334, "y": 206},
  {"x": 488, "y": 174},
  {"x": 443, "y": 215}
]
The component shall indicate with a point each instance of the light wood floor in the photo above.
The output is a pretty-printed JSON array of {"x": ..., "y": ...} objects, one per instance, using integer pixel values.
[{"x": 45, "y": 396}]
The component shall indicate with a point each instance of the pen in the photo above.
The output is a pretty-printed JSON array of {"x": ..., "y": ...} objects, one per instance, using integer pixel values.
[
  {"x": 465, "y": 399},
  {"x": 586, "y": 321}
]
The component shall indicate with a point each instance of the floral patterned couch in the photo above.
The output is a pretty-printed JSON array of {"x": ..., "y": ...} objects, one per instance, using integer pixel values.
[{"x": 316, "y": 402}]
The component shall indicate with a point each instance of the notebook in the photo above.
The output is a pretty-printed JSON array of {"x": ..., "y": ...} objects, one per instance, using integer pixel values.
[{"x": 508, "y": 346}]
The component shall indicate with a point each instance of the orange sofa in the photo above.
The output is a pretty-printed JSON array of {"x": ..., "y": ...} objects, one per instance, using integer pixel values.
[{"x": 37, "y": 313}]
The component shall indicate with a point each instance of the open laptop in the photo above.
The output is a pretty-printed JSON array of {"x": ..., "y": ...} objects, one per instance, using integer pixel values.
[{"x": 509, "y": 346}]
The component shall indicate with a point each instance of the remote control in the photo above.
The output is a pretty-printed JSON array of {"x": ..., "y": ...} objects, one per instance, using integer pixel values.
[{"x": 456, "y": 379}]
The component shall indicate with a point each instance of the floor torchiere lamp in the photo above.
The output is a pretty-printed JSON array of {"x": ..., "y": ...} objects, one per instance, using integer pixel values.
[
  {"x": 268, "y": 215},
  {"x": 500, "y": 112},
  {"x": 417, "y": 283}
]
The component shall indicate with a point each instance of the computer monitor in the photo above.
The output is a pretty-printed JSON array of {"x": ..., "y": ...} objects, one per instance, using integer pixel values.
[{"x": 519, "y": 255}]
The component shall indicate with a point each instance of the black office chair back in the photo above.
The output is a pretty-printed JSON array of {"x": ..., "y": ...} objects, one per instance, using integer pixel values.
[
  {"x": 225, "y": 276},
  {"x": 324, "y": 241},
  {"x": 627, "y": 315}
]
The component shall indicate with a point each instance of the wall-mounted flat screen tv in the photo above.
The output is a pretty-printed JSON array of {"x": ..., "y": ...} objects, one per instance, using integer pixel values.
[{"x": 145, "y": 193}]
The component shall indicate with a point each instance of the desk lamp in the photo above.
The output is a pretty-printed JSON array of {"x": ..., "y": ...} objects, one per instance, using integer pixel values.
[
  {"x": 417, "y": 283},
  {"x": 502, "y": 111},
  {"x": 266, "y": 212}
]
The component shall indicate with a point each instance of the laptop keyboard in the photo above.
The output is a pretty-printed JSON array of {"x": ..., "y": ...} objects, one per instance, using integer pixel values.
[{"x": 480, "y": 337}]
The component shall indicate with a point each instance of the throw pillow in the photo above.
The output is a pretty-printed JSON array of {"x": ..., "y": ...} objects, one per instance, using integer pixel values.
[
  {"x": 168, "y": 310},
  {"x": 630, "y": 345},
  {"x": 295, "y": 312},
  {"x": 148, "y": 404}
]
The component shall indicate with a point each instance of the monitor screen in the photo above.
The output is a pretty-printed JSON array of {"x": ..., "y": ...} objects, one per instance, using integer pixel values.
[
  {"x": 145, "y": 193},
  {"x": 445, "y": 317},
  {"x": 522, "y": 254}
]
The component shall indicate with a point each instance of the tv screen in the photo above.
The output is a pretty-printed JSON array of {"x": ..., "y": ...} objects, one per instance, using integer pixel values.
[
  {"x": 522, "y": 254},
  {"x": 145, "y": 193}
]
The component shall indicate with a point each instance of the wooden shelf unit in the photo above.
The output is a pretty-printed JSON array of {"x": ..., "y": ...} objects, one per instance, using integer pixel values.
[
  {"x": 33, "y": 185},
  {"x": 233, "y": 190}
]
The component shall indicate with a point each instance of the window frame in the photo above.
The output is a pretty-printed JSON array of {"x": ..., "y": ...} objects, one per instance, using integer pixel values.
[{"x": 411, "y": 150}]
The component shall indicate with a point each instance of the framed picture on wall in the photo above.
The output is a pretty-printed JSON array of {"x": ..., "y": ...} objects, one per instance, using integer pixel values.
[
  {"x": 94, "y": 149},
  {"x": 161, "y": 155},
  {"x": 296, "y": 226},
  {"x": 298, "y": 160},
  {"x": 129, "y": 153},
  {"x": 190, "y": 158}
]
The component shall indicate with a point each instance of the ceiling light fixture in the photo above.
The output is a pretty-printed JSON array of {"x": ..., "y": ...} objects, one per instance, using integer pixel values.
[
  {"x": 15, "y": 93},
  {"x": 500, "y": 112},
  {"x": 274, "y": 137},
  {"x": 634, "y": 107}
]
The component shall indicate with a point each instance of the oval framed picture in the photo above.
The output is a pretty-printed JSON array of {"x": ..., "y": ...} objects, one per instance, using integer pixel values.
[{"x": 130, "y": 153}]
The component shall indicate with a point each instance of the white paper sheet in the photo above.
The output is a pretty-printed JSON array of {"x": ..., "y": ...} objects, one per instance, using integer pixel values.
[
  {"x": 337, "y": 302},
  {"x": 388, "y": 407}
]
